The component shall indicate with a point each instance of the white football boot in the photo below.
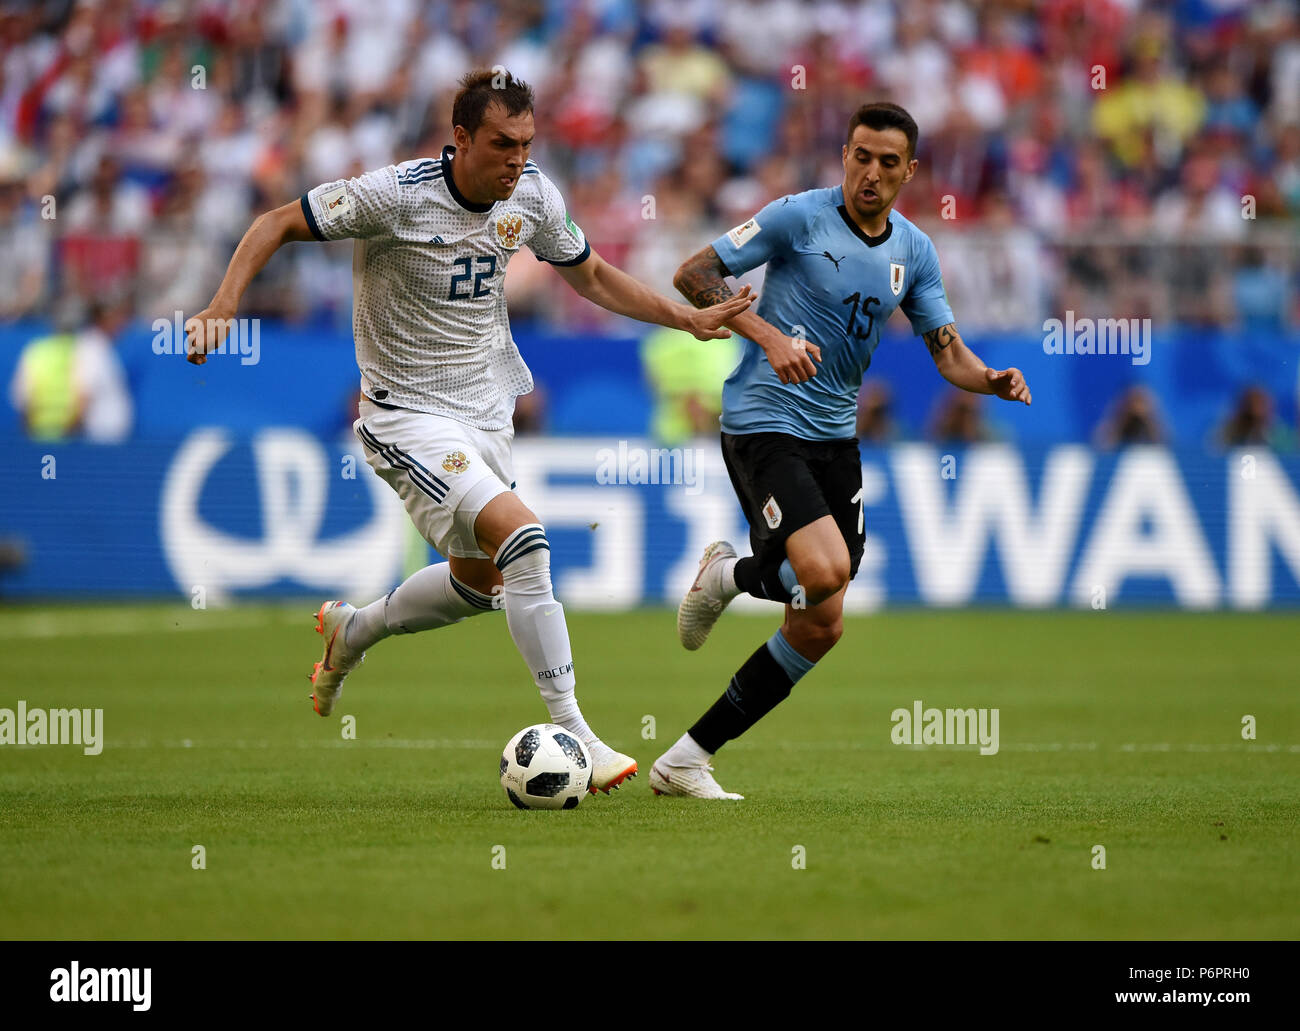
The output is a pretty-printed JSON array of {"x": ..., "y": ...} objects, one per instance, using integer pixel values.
[
  {"x": 703, "y": 603},
  {"x": 327, "y": 675},
  {"x": 608, "y": 768},
  {"x": 689, "y": 781}
]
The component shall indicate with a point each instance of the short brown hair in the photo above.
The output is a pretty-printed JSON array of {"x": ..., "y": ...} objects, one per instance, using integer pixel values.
[
  {"x": 480, "y": 88},
  {"x": 885, "y": 116}
]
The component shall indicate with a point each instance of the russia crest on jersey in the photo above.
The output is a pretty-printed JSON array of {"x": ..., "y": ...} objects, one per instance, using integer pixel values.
[
  {"x": 896, "y": 277},
  {"x": 455, "y": 462},
  {"x": 508, "y": 229}
]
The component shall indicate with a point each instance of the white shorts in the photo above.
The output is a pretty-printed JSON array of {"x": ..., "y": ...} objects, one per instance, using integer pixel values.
[{"x": 443, "y": 470}]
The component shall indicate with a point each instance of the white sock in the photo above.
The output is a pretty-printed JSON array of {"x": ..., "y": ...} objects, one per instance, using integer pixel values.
[
  {"x": 686, "y": 752},
  {"x": 722, "y": 579},
  {"x": 537, "y": 625},
  {"x": 430, "y": 597},
  {"x": 566, "y": 714}
]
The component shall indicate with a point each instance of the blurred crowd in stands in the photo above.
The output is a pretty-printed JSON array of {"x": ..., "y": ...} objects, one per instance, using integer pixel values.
[
  {"x": 1090, "y": 154},
  {"x": 1118, "y": 158},
  {"x": 1132, "y": 419}
]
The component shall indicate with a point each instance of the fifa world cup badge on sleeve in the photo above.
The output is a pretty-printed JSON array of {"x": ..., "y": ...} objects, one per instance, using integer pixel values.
[{"x": 335, "y": 202}]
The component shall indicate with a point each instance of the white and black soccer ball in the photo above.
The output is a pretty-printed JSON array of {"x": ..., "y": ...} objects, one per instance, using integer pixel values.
[{"x": 545, "y": 767}]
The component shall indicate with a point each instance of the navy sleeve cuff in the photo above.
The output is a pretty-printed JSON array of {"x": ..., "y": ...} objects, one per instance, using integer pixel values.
[
  {"x": 586, "y": 253},
  {"x": 311, "y": 219}
]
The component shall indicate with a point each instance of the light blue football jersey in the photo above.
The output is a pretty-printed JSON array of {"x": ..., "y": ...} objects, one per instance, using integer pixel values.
[{"x": 830, "y": 283}]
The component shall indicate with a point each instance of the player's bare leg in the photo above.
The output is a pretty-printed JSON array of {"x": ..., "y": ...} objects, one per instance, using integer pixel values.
[
  {"x": 820, "y": 560},
  {"x": 479, "y": 574},
  {"x": 813, "y": 623},
  {"x": 507, "y": 530},
  {"x": 815, "y": 630}
]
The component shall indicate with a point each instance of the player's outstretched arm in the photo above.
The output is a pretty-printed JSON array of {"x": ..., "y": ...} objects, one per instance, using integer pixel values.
[
  {"x": 962, "y": 367},
  {"x": 614, "y": 290},
  {"x": 702, "y": 281},
  {"x": 205, "y": 331}
]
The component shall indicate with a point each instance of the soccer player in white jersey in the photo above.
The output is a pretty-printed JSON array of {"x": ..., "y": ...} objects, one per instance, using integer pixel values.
[{"x": 440, "y": 373}]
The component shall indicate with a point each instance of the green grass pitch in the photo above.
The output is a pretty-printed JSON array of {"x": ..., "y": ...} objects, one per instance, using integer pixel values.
[{"x": 1116, "y": 729}]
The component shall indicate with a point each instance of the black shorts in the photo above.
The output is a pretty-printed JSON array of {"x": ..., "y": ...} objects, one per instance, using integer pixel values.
[{"x": 784, "y": 483}]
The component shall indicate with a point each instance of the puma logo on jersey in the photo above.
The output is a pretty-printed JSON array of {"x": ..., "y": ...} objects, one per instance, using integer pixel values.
[{"x": 834, "y": 261}]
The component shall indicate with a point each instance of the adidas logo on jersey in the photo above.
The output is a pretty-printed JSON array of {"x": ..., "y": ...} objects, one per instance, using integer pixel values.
[{"x": 437, "y": 239}]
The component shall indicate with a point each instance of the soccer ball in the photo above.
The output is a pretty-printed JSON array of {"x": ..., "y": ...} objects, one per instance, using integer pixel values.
[{"x": 545, "y": 767}]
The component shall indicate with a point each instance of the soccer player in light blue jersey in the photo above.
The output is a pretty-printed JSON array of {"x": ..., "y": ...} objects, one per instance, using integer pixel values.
[{"x": 839, "y": 261}]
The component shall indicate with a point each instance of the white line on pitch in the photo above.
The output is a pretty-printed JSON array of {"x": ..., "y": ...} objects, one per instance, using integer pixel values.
[
  {"x": 1017, "y": 746},
  {"x": 1152, "y": 746},
  {"x": 431, "y": 744},
  {"x": 435, "y": 744},
  {"x": 71, "y": 623}
]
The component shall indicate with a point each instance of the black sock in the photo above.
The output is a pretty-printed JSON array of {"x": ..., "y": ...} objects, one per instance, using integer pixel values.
[
  {"x": 762, "y": 582},
  {"x": 756, "y": 689}
]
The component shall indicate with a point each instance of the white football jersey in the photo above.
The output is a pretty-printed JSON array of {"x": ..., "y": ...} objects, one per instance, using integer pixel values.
[{"x": 428, "y": 274}]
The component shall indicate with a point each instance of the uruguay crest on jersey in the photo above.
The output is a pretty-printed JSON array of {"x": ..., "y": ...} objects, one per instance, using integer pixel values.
[
  {"x": 772, "y": 512},
  {"x": 896, "y": 270}
]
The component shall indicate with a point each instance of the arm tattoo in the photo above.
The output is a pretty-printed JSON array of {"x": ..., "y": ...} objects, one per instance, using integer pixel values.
[
  {"x": 701, "y": 279},
  {"x": 938, "y": 340}
]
